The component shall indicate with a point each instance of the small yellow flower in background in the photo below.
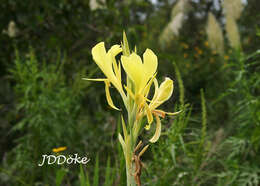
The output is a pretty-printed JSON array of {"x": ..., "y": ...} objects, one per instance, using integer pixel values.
[
  {"x": 226, "y": 57},
  {"x": 59, "y": 149},
  {"x": 185, "y": 46},
  {"x": 185, "y": 55},
  {"x": 206, "y": 43},
  {"x": 198, "y": 50},
  {"x": 214, "y": 52}
]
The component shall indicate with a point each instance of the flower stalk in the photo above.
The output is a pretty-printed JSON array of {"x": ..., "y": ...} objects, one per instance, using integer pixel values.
[{"x": 140, "y": 76}]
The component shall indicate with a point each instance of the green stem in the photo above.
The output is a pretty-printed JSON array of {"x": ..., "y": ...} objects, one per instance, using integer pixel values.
[
  {"x": 130, "y": 177},
  {"x": 130, "y": 168}
]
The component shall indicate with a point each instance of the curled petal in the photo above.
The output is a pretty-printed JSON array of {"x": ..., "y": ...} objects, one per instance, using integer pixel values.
[
  {"x": 99, "y": 79},
  {"x": 157, "y": 130},
  {"x": 162, "y": 94},
  {"x": 109, "y": 99},
  {"x": 115, "y": 50},
  {"x": 149, "y": 114},
  {"x": 173, "y": 113}
]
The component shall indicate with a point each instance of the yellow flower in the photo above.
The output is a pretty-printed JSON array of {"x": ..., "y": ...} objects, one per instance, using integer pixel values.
[
  {"x": 185, "y": 45},
  {"x": 140, "y": 72},
  {"x": 107, "y": 63},
  {"x": 60, "y": 149},
  {"x": 162, "y": 94},
  {"x": 226, "y": 57}
]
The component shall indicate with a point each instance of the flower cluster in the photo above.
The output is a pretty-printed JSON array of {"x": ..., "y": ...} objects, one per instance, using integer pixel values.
[{"x": 141, "y": 74}]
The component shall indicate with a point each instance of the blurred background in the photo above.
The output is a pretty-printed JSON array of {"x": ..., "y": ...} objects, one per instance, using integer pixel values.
[{"x": 209, "y": 47}]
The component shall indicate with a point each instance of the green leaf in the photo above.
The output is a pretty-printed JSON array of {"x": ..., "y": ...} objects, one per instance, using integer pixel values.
[
  {"x": 60, "y": 175},
  {"x": 96, "y": 172}
]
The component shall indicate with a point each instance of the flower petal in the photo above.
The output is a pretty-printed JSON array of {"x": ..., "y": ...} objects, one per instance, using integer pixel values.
[
  {"x": 162, "y": 94},
  {"x": 173, "y": 113},
  {"x": 150, "y": 63},
  {"x": 149, "y": 114},
  {"x": 134, "y": 69},
  {"x": 148, "y": 86},
  {"x": 109, "y": 99},
  {"x": 98, "y": 79},
  {"x": 104, "y": 61},
  {"x": 99, "y": 53},
  {"x": 115, "y": 50},
  {"x": 157, "y": 131}
]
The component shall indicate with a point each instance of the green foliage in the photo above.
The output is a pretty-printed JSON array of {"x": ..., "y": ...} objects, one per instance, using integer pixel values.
[
  {"x": 109, "y": 175},
  {"x": 182, "y": 157},
  {"x": 47, "y": 112},
  {"x": 60, "y": 175},
  {"x": 243, "y": 145}
]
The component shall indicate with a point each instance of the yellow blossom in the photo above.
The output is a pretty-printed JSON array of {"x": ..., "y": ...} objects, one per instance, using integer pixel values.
[
  {"x": 185, "y": 46},
  {"x": 162, "y": 94},
  {"x": 140, "y": 76},
  {"x": 226, "y": 57},
  {"x": 60, "y": 149},
  {"x": 140, "y": 72},
  {"x": 107, "y": 63}
]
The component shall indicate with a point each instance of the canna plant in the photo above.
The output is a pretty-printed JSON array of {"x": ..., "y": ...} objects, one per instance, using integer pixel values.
[{"x": 140, "y": 76}]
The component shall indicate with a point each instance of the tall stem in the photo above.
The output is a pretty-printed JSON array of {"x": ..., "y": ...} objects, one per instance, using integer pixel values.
[
  {"x": 130, "y": 166},
  {"x": 130, "y": 177}
]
